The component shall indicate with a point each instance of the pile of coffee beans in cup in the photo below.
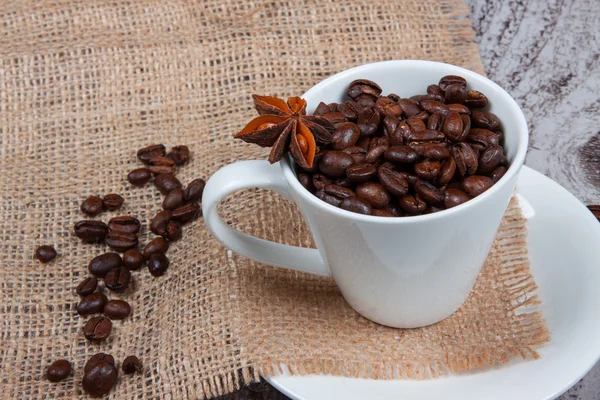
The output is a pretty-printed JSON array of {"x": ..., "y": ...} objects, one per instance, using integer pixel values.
[
  {"x": 393, "y": 157},
  {"x": 113, "y": 272}
]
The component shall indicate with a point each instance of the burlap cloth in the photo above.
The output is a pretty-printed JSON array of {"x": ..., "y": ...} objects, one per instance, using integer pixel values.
[{"x": 85, "y": 84}]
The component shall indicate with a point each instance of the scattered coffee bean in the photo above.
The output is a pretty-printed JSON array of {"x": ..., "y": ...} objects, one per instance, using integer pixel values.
[
  {"x": 100, "y": 379},
  {"x": 174, "y": 199},
  {"x": 100, "y": 265},
  {"x": 148, "y": 153},
  {"x": 58, "y": 371},
  {"x": 194, "y": 190},
  {"x": 158, "y": 264},
  {"x": 133, "y": 259},
  {"x": 92, "y": 206},
  {"x": 166, "y": 182},
  {"x": 162, "y": 165},
  {"x": 91, "y": 304},
  {"x": 117, "y": 309},
  {"x": 87, "y": 286},
  {"x": 97, "y": 329},
  {"x": 124, "y": 223},
  {"x": 97, "y": 359},
  {"x": 158, "y": 224},
  {"x": 131, "y": 364},
  {"x": 179, "y": 154},
  {"x": 173, "y": 231},
  {"x": 187, "y": 213},
  {"x": 45, "y": 253},
  {"x": 112, "y": 201},
  {"x": 156, "y": 245},
  {"x": 121, "y": 241},
  {"x": 139, "y": 176},
  {"x": 91, "y": 231},
  {"x": 117, "y": 279}
]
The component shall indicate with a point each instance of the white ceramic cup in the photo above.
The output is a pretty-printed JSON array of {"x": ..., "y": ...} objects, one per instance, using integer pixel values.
[{"x": 401, "y": 272}]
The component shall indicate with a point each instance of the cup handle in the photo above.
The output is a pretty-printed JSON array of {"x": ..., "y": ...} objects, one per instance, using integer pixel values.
[{"x": 255, "y": 174}]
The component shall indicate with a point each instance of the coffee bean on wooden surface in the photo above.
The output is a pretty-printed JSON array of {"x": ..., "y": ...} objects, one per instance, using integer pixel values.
[
  {"x": 125, "y": 223},
  {"x": 91, "y": 231},
  {"x": 112, "y": 201},
  {"x": 139, "y": 176},
  {"x": 187, "y": 213},
  {"x": 158, "y": 264},
  {"x": 92, "y": 206},
  {"x": 87, "y": 286},
  {"x": 45, "y": 253},
  {"x": 179, "y": 154},
  {"x": 166, "y": 182},
  {"x": 149, "y": 152},
  {"x": 117, "y": 309},
  {"x": 100, "y": 265},
  {"x": 131, "y": 364},
  {"x": 162, "y": 165},
  {"x": 121, "y": 241},
  {"x": 133, "y": 259},
  {"x": 59, "y": 370},
  {"x": 117, "y": 279},
  {"x": 100, "y": 379},
  {"x": 92, "y": 304},
  {"x": 96, "y": 359},
  {"x": 174, "y": 199},
  {"x": 194, "y": 190},
  {"x": 97, "y": 329},
  {"x": 156, "y": 245}
]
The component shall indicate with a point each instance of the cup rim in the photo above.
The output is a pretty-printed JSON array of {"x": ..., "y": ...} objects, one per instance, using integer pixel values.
[{"x": 511, "y": 172}]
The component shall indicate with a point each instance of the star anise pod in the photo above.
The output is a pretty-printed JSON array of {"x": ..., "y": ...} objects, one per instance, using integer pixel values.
[{"x": 284, "y": 126}]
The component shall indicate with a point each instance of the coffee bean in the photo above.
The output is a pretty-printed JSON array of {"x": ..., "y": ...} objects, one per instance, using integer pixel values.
[
  {"x": 133, "y": 259},
  {"x": 401, "y": 154},
  {"x": 357, "y": 205},
  {"x": 412, "y": 179},
  {"x": 139, "y": 176},
  {"x": 413, "y": 205},
  {"x": 121, "y": 241},
  {"x": 427, "y": 135},
  {"x": 87, "y": 286},
  {"x": 335, "y": 118},
  {"x": 148, "y": 153},
  {"x": 156, "y": 245},
  {"x": 476, "y": 99},
  {"x": 362, "y": 87},
  {"x": 390, "y": 124},
  {"x": 173, "y": 231},
  {"x": 447, "y": 171},
  {"x": 436, "y": 93},
  {"x": 158, "y": 224},
  {"x": 345, "y": 135},
  {"x": 166, "y": 182},
  {"x": 416, "y": 124},
  {"x": 97, "y": 329},
  {"x": 92, "y": 206},
  {"x": 334, "y": 163},
  {"x": 377, "y": 148},
  {"x": 482, "y": 139},
  {"x": 458, "y": 108},
  {"x": 91, "y": 304},
  {"x": 364, "y": 142},
  {"x": 432, "y": 106},
  {"x": 100, "y": 265},
  {"x": 410, "y": 108},
  {"x": 117, "y": 279},
  {"x": 485, "y": 120},
  {"x": 436, "y": 151},
  {"x": 124, "y": 223},
  {"x": 112, "y": 201},
  {"x": 392, "y": 181},
  {"x": 490, "y": 159},
  {"x": 179, "y": 154},
  {"x": 394, "y": 209},
  {"x": 58, "y": 370},
  {"x": 382, "y": 213},
  {"x": 350, "y": 110},
  {"x": 187, "y": 213},
  {"x": 452, "y": 80},
  {"x": 338, "y": 191},
  {"x": 374, "y": 193},
  {"x": 162, "y": 165},
  {"x": 497, "y": 174},
  {"x": 455, "y": 197},
  {"x": 466, "y": 127},
  {"x": 358, "y": 153},
  {"x": 368, "y": 121},
  {"x": 306, "y": 181},
  {"x": 100, "y": 379},
  {"x": 91, "y": 231},
  {"x": 429, "y": 193},
  {"x": 158, "y": 264},
  {"x": 453, "y": 127},
  {"x": 328, "y": 198},
  {"x": 386, "y": 106},
  {"x": 466, "y": 159},
  {"x": 435, "y": 122},
  {"x": 399, "y": 135},
  {"x": 321, "y": 109},
  {"x": 194, "y": 190},
  {"x": 174, "y": 199},
  {"x": 45, "y": 253},
  {"x": 474, "y": 185},
  {"x": 117, "y": 309},
  {"x": 423, "y": 116},
  {"x": 427, "y": 169},
  {"x": 97, "y": 359},
  {"x": 455, "y": 94},
  {"x": 131, "y": 364},
  {"x": 361, "y": 172}
]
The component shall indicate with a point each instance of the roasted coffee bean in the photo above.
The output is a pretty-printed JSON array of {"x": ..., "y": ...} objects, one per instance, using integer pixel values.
[
  {"x": 476, "y": 99},
  {"x": 447, "y": 171},
  {"x": 174, "y": 199},
  {"x": 392, "y": 181},
  {"x": 374, "y": 193},
  {"x": 92, "y": 206},
  {"x": 103, "y": 263},
  {"x": 497, "y": 174},
  {"x": 100, "y": 379},
  {"x": 436, "y": 93},
  {"x": 112, "y": 201},
  {"x": 91, "y": 231},
  {"x": 474, "y": 185},
  {"x": 148, "y": 153},
  {"x": 386, "y": 106},
  {"x": 335, "y": 118},
  {"x": 139, "y": 176},
  {"x": 455, "y": 93},
  {"x": 455, "y": 197},
  {"x": 394, "y": 209},
  {"x": 361, "y": 87},
  {"x": 162, "y": 165},
  {"x": 322, "y": 108},
  {"x": 350, "y": 109},
  {"x": 357, "y": 205},
  {"x": 334, "y": 163},
  {"x": 361, "y": 172},
  {"x": 429, "y": 193},
  {"x": 187, "y": 213},
  {"x": 394, "y": 97},
  {"x": 328, "y": 198},
  {"x": 416, "y": 124},
  {"x": 306, "y": 181},
  {"x": 365, "y": 102},
  {"x": 382, "y": 213},
  {"x": 412, "y": 205},
  {"x": 156, "y": 245},
  {"x": 436, "y": 151},
  {"x": 97, "y": 359},
  {"x": 131, "y": 364},
  {"x": 410, "y": 107},
  {"x": 435, "y": 122},
  {"x": 87, "y": 286},
  {"x": 121, "y": 241},
  {"x": 390, "y": 124},
  {"x": 166, "y": 182},
  {"x": 398, "y": 136},
  {"x": 133, "y": 259},
  {"x": 490, "y": 159},
  {"x": 194, "y": 190},
  {"x": 427, "y": 169},
  {"x": 368, "y": 121},
  {"x": 117, "y": 279},
  {"x": 320, "y": 181},
  {"x": 466, "y": 159},
  {"x": 179, "y": 154},
  {"x": 432, "y": 106},
  {"x": 158, "y": 224},
  {"x": 45, "y": 253},
  {"x": 58, "y": 371},
  {"x": 358, "y": 153},
  {"x": 158, "y": 264},
  {"x": 173, "y": 231},
  {"x": 377, "y": 148},
  {"x": 458, "y": 108},
  {"x": 485, "y": 120},
  {"x": 364, "y": 142},
  {"x": 401, "y": 154},
  {"x": 125, "y": 223},
  {"x": 423, "y": 116},
  {"x": 338, "y": 191},
  {"x": 117, "y": 309},
  {"x": 466, "y": 127},
  {"x": 91, "y": 304},
  {"x": 595, "y": 210},
  {"x": 452, "y": 80},
  {"x": 427, "y": 135},
  {"x": 482, "y": 139},
  {"x": 344, "y": 182},
  {"x": 453, "y": 127},
  {"x": 345, "y": 135},
  {"x": 97, "y": 329}
]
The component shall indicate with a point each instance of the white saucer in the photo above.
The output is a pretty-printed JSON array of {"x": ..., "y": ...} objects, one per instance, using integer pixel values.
[{"x": 564, "y": 245}]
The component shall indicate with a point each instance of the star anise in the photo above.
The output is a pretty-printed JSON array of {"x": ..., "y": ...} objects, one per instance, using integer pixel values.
[{"x": 284, "y": 126}]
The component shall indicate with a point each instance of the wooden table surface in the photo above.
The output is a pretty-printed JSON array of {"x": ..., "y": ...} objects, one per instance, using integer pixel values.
[{"x": 547, "y": 55}]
